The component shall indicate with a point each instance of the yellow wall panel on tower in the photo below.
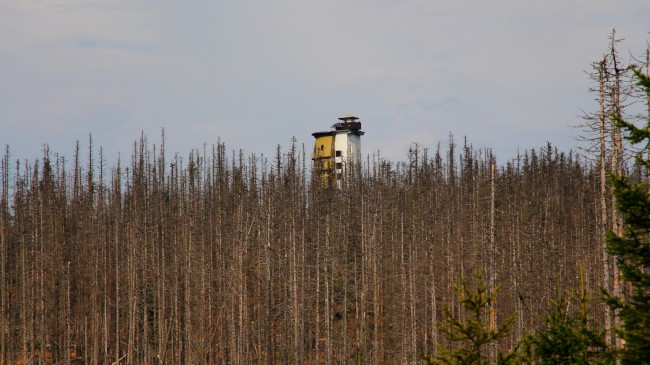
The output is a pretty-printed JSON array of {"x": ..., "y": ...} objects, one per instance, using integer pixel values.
[
  {"x": 323, "y": 146},
  {"x": 323, "y": 155}
]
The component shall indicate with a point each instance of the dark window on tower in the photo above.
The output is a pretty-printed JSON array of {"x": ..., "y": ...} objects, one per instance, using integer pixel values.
[
  {"x": 338, "y": 153},
  {"x": 339, "y": 165},
  {"x": 322, "y": 147}
]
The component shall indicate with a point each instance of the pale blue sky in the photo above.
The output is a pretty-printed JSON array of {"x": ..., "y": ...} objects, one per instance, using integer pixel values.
[{"x": 507, "y": 74}]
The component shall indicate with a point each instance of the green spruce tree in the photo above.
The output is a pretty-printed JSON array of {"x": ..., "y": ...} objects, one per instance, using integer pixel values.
[
  {"x": 569, "y": 334},
  {"x": 632, "y": 251},
  {"x": 473, "y": 335}
]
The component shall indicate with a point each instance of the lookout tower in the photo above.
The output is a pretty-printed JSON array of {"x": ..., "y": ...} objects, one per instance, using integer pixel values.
[{"x": 335, "y": 149}]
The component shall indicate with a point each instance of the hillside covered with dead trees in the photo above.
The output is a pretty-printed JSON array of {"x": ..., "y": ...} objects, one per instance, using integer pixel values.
[
  {"x": 222, "y": 257},
  {"x": 225, "y": 258}
]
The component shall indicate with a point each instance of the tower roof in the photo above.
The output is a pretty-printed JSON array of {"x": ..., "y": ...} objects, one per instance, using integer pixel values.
[{"x": 348, "y": 117}]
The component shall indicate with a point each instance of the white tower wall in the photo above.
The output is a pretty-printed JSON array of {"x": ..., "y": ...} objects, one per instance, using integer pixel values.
[{"x": 347, "y": 147}]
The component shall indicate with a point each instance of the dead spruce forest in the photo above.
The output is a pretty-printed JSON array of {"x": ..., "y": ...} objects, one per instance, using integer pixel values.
[{"x": 224, "y": 258}]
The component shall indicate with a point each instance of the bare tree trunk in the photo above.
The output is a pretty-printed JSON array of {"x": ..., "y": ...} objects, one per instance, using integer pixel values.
[
  {"x": 602, "y": 69},
  {"x": 377, "y": 343},
  {"x": 187, "y": 323},
  {"x": 493, "y": 253},
  {"x": 294, "y": 288},
  {"x": 328, "y": 296},
  {"x": 68, "y": 316},
  {"x": 4, "y": 231},
  {"x": 616, "y": 167},
  {"x": 24, "y": 302},
  {"x": 317, "y": 325},
  {"x": 116, "y": 242}
]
